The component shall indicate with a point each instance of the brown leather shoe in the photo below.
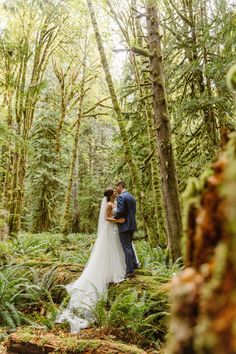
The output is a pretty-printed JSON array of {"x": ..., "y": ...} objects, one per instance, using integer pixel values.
[{"x": 130, "y": 275}]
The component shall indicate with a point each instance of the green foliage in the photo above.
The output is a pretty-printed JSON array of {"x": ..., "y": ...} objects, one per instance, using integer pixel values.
[
  {"x": 5, "y": 252},
  {"x": 13, "y": 283},
  {"x": 44, "y": 175},
  {"x": 133, "y": 314},
  {"x": 195, "y": 71},
  {"x": 29, "y": 245},
  {"x": 140, "y": 310},
  {"x": 126, "y": 310},
  {"x": 24, "y": 290},
  {"x": 155, "y": 260},
  {"x": 5, "y": 133},
  {"x": 95, "y": 169},
  {"x": 231, "y": 78},
  {"x": 32, "y": 291},
  {"x": 29, "y": 291},
  {"x": 49, "y": 248},
  {"x": 41, "y": 286}
]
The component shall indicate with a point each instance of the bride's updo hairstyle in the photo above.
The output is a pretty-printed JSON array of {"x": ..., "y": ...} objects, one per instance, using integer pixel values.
[{"x": 108, "y": 193}]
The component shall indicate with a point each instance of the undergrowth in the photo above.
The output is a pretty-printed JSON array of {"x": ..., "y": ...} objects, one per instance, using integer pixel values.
[{"x": 35, "y": 268}]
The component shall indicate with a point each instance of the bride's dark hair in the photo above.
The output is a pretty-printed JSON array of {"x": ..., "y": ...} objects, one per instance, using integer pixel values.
[{"x": 108, "y": 193}]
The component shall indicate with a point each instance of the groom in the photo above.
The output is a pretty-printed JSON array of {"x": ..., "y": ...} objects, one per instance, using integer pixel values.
[{"x": 126, "y": 208}]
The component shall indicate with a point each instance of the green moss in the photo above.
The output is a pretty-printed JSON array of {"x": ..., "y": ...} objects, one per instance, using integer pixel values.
[{"x": 71, "y": 343}]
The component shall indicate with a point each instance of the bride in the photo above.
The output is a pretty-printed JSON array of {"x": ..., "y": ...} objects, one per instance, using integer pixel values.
[{"x": 105, "y": 265}]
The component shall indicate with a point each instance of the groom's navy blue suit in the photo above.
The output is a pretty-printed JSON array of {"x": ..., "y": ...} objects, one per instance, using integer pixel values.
[{"x": 126, "y": 208}]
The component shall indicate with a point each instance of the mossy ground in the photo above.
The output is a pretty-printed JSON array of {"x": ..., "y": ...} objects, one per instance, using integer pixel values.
[{"x": 133, "y": 319}]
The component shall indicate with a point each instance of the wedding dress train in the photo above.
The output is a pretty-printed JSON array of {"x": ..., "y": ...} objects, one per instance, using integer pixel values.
[{"x": 105, "y": 265}]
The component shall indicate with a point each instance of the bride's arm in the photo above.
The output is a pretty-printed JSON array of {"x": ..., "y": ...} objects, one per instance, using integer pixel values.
[{"x": 109, "y": 216}]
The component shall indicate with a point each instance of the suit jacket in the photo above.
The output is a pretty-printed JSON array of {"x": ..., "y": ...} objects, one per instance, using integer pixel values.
[{"x": 126, "y": 208}]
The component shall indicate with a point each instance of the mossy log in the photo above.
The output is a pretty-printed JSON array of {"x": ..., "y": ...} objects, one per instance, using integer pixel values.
[
  {"x": 3, "y": 225},
  {"x": 41, "y": 342},
  {"x": 204, "y": 294},
  {"x": 141, "y": 282}
]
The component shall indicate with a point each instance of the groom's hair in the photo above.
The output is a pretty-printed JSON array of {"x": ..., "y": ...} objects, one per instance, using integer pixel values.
[{"x": 120, "y": 183}]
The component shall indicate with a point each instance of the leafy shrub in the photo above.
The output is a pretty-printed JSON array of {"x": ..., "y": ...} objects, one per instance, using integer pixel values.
[
  {"x": 13, "y": 282},
  {"x": 155, "y": 260},
  {"x": 134, "y": 316}
]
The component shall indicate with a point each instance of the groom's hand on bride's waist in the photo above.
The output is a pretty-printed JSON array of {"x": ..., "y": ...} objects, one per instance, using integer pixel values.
[
  {"x": 121, "y": 220},
  {"x": 118, "y": 221}
]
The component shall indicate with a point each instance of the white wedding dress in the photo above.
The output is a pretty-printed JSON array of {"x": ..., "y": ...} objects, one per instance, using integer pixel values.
[{"x": 105, "y": 265}]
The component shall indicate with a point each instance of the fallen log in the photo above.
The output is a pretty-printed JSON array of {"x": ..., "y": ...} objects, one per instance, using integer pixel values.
[{"x": 28, "y": 341}]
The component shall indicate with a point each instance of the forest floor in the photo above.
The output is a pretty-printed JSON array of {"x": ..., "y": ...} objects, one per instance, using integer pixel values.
[{"x": 34, "y": 268}]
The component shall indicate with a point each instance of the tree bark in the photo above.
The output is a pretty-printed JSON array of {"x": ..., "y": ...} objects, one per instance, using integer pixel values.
[
  {"x": 75, "y": 193},
  {"x": 203, "y": 295},
  {"x": 24, "y": 100},
  {"x": 68, "y": 91},
  {"x": 119, "y": 116},
  {"x": 155, "y": 216},
  {"x": 163, "y": 134},
  {"x": 66, "y": 222},
  {"x": 159, "y": 232}
]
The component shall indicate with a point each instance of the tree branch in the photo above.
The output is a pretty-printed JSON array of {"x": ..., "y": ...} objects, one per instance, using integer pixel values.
[
  {"x": 140, "y": 51},
  {"x": 184, "y": 18},
  {"x": 135, "y": 50},
  {"x": 96, "y": 105}
]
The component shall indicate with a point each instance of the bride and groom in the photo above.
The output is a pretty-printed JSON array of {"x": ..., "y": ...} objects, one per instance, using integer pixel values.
[{"x": 113, "y": 257}]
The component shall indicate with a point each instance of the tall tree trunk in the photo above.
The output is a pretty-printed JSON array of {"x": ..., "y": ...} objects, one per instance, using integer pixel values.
[
  {"x": 66, "y": 222},
  {"x": 120, "y": 119},
  {"x": 3, "y": 225},
  {"x": 159, "y": 232},
  {"x": 163, "y": 131},
  {"x": 62, "y": 117},
  {"x": 26, "y": 96},
  {"x": 7, "y": 155},
  {"x": 18, "y": 160},
  {"x": 75, "y": 193}
]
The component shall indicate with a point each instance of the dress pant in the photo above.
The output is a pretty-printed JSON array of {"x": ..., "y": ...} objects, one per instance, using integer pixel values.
[{"x": 130, "y": 257}]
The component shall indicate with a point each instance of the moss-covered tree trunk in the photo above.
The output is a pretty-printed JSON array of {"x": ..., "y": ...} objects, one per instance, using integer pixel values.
[
  {"x": 204, "y": 294},
  {"x": 163, "y": 133},
  {"x": 66, "y": 215},
  {"x": 68, "y": 84},
  {"x": 66, "y": 222},
  {"x": 3, "y": 225},
  {"x": 75, "y": 194},
  {"x": 61, "y": 79},
  {"x": 120, "y": 119},
  {"x": 26, "y": 96},
  {"x": 159, "y": 232},
  {"x": 18, "y": 158},
  {"x": 198, "y": 57},
  {"x": 7, "y": 153}
]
